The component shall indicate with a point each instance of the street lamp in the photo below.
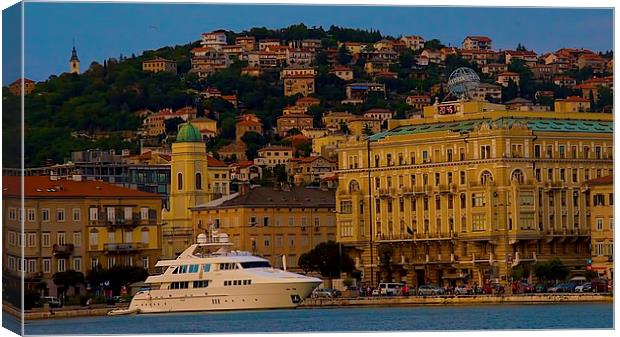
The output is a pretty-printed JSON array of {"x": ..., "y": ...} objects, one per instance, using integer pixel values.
[{"x": 370, "y": 225}]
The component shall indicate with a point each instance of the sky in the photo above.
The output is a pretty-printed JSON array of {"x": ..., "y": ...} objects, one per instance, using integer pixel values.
[{"x": 103, "y": 30}]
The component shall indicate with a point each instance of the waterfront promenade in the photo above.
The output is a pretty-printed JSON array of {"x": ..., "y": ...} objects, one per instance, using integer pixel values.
[{"x": 391, "y": 301}]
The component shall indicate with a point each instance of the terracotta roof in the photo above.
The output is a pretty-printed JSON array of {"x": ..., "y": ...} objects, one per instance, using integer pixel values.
[
  {"x": 248, "y": 122},
  {"x": 44, "y": 187},
  {"x": 574, "y": 99},
  {"x": 331, "y": 178},
  {"x": 233, "y": 147},
  {"x": 212, "y": 162},
  {"x": 158, "y": 59},
  {"x": 378, "y": 110},
  {"x": 275, "y": 148},
  {"x": 521, "y": 53},
  {"x": 243, "y": 164},
  {"x": 479, "y": 38},
  {"x": 269, "y": 197},
  {"x": 18, "y": 81},
  {"x": 310, "y": 159},
  {"x": 606, "y": 180}
]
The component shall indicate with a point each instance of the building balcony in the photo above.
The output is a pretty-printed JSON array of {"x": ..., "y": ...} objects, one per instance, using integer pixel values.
[
  {"x": 62, "y": 250},
  {"x": 33, "y": 276},
  {"x": 123, "y": 247},
  {"x": 177, "y": 232},
  {"x": 415, "y": 237}
]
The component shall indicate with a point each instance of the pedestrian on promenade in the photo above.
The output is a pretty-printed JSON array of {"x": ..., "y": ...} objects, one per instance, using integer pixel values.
[{"x": 89, "y": 302}]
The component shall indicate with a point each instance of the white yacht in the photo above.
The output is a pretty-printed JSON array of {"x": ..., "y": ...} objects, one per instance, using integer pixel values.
[{"x": 209, "y": 275}]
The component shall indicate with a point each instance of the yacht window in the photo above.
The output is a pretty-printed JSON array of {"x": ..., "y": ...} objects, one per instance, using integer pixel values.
[
  {"x": 207, "y": 267},
  {"x": 193, "y": 268},
  {"x": 201, "y": 284},
  {"x": 255, "y": 264},
  {"x": 179, "y": 285},
  {"x": 183, "y": 269}
]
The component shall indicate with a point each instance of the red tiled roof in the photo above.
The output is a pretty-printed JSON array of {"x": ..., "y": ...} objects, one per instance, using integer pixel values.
[
  {"x": 248, "y": 122},
  {"x": 19, "y": 80},
  {"x": 44, "y": 187},
  {"x": 479, "y": 38},
  {"x": 212, "y": 162},
  {"x": 574, "y": 99}
]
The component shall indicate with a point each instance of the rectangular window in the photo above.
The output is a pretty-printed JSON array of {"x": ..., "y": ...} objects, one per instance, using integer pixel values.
[
  {"x": 145, "y": 262},
  {"x": 462, "y": 178},
  {"x": 60, "y": 215},
  {"x": 599, "y": 249},
  {"x": 45, "y": 239},
  {"x": 145, "y": 237},
  {"x": 62, "y": 265},
  {"x": 317, "y": 221},
  {"x": 76, "y": 214},
  {"x": 32, "y": 266},
  {"x": 478, "y": 222},
  {"x": 77, "y": 263},
  {"x": 31, "y": 215},
  {"x": 94, "y": 239},
  {"x": 304, "y": 221},
  {"x": 93, "y": 214},
  {"x": 477, "y": 199},
  {"x": 45, "y": 215},
  {"x": 599, "y": 224},
  {"x": 128, "y": 237},
  {"x": 291, "y": 221},
  {"x": 61, "y": 239},
  {"x": 144, "y": 213},
  {"x": 346, "y": 228},
  {"x": 47, "y": 265},
  {"x": 12, "y": 213},
  {"x": 32, "y": 239}
]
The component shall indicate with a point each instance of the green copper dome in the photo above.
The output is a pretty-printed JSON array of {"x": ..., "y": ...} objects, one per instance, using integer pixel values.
[{"x": 189, "y": 133}]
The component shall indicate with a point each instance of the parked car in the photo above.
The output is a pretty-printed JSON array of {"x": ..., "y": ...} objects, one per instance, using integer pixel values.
[
  {"x": 390, "y": 289},
  {"x": 525, "y": 288},
  {"x": 324, "y": 293},
  {"x": 566, "y": 287},
  {"x": 540, "y": 288},
  {"x": 584, "y": 288},
  {"x": 493, "y": 288},
  {"x": 52, "y": 301},
  {"x": 600, "y": 286},
  {"x": 430, "y": 290},
  {"x": 463, "y": 290}
]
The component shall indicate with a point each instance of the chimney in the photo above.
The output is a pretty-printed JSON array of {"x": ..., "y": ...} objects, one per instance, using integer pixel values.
[{"x": 244, "y": 187}]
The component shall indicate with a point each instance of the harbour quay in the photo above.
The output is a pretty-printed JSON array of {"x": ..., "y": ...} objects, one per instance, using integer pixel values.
[{"x": 456, "y": 300}]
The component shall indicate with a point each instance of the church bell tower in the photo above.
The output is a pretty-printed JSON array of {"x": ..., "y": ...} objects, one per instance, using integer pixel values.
[{"x": 74, "y": 62}]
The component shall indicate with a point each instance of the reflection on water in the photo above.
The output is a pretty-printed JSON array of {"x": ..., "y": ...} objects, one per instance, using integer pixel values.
[{"x": 547, "y": 316}]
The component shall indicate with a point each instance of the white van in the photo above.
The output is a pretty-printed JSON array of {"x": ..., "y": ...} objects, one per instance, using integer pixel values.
[{"x": 390, "y": 289}]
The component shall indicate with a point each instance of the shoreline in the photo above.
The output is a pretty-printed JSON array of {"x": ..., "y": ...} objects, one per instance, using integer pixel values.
[{"x": 311, "y": 303}]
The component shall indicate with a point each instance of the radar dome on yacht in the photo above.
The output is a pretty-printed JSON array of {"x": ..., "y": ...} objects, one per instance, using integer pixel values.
[
  {"x": 223, "y": 237},
  {"x": 202, "y": 238}
]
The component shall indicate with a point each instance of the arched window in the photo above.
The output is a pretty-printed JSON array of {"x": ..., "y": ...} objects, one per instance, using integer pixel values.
[
  {"x": 198, "y": 181},
  {"x": 517, "y": 176},
  {"x": 486, "y": 177},
  {"x": 180, "y": 181},
  {"x": 354, "y": 186}
]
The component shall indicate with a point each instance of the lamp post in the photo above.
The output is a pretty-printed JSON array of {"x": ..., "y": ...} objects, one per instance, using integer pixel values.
[{"x": 370, "y": 225}]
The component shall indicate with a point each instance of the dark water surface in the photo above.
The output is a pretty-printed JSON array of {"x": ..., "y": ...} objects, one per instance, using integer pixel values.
[{"x": 411, "y": 318}]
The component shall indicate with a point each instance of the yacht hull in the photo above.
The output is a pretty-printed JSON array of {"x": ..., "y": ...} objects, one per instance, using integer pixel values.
[{"x": 255, "y": 296}]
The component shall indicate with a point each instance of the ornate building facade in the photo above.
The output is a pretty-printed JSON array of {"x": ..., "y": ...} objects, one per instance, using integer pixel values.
[{"x": 470, "y": 191}]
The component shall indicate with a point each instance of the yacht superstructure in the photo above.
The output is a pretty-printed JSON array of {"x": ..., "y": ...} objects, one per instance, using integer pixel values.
[{"x": 209, "y": 275}]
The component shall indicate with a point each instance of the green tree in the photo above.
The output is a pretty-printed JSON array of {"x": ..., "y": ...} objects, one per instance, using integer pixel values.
[
  {"x": 344, "y": 57},
  {"x": 280, "y": 174},
  {"x": 253, "y": 141},
  {"x": 385, "y": 258},
  {"x": 67, "y": 279},
  {"x": 172, "y": 125},
  {"x": 326, "y": 258}
]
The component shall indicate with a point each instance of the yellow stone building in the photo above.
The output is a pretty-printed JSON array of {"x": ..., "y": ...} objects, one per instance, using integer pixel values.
[
  {"x": 470, "y": 191},
  {"x": 77, "y": 225},
  {"x": 271, "y": 222},
  {"x": 602, "y": 224},
  {"x": 158, "y": 64},
  {"x": 190, "y": 186}
]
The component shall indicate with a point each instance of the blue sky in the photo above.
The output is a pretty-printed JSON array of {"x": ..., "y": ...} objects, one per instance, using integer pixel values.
[{"x": 107, "y": 30}]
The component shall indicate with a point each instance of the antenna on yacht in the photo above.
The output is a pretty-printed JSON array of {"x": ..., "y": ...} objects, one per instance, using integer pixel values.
[{"x": 284, "y": 262}]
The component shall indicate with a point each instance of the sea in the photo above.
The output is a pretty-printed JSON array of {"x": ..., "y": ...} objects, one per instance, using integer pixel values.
[{"x": 341, "y": 319}]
